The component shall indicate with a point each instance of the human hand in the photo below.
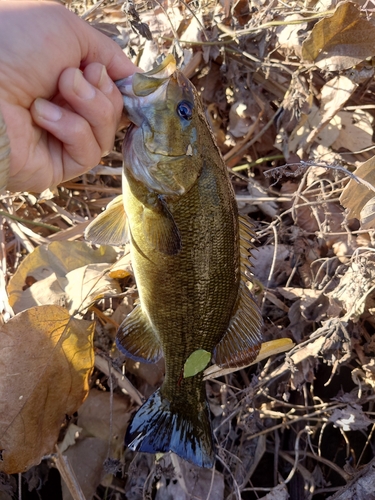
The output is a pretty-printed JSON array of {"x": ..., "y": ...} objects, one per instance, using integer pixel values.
[{"x": 60, "y": 120}]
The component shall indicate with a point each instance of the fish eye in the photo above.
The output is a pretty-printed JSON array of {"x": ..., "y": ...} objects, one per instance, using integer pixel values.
[{"x": 185, "y": 110}]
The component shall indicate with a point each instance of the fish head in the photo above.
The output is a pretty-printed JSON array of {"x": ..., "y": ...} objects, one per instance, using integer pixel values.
[{"x": 161, "y": 146}]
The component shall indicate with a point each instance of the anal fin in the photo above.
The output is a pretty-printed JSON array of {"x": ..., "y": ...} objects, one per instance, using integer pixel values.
[
  {"x": 242, "y": 340},
  {"x": 109, "y": 227},
  {"x": 137, "y": 339}
]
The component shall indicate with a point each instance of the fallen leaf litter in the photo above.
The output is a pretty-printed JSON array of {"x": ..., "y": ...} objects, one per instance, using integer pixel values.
[{"x": 279, "y": 92}]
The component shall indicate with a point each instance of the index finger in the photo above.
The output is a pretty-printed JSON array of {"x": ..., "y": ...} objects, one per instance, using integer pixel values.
[{"x": 97, "y": 47}]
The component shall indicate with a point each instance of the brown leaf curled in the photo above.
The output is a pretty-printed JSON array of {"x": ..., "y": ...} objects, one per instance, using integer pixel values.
[{"x": 342, "y": 40}]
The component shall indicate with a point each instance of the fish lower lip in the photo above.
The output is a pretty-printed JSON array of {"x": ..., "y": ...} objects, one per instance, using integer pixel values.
[{"x": 132, "y": 128}]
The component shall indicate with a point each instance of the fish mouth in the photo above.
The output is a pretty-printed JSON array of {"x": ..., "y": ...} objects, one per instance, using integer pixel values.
[
  {"x": 129, "y": 136},
  {"x": 143, "y": 84}
]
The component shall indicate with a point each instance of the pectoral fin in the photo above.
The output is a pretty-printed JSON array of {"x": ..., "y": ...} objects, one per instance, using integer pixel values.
[
  {"x": 160, "y": 228},
  {"x": 136, "y": 338},
  {"x": 109, "y": 227},
  {"x": 241, "y": 343}
]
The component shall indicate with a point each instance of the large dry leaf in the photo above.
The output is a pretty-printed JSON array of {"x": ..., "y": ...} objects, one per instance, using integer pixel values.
[
  {"x": 189, "y": 482},
  {"x": 341, "y": 41},
  {"x": 350, "y": 418},
  {"x": 46, "y": 358},
  {"x": 323, "y": 125},
  {"x": 77, "y": 291},
  {"x": 86, "y": 459},
  {"x": 58, "y": 258},
  {"x": 356, "y": 129},
  {"x": 289, "y": 36},
  {"x": 334, "y": 95},
  {"x": 355, "y": 195},
  {"x": 47, "y": 291},
  {"x": 88, "y": 284},
  {"x": 100, "y": 423}
]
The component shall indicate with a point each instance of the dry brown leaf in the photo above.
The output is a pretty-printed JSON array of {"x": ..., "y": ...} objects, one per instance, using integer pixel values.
[
  {"x": 344, "y": 249},
  {"x": 87, "y": 455},
  {"x": 153, "y": 374},
  {"x": 45, "y": 362},
  {"x": 122, "y": 268},
  {"x": 77, "y": 291},
  {"x": 367, "y": 215},
  {"x": 60, "y": 257},
  {"x": 365, "y": 375},
  {"x": 86, "y": 285},
  {"x": 326, "y": 217},
  {"x": 241, "y": 11},
  {"x": 334, "y": 95},
  {"x": 323, "y": 125},
  {"x": 262, "y": 259},
  {"x": 307, "y": 127},
  {"x": 70, "y": 437},
  {"x": 86, "y": 459},
  {"x": 341, "y": 41},
  {"x": 354, "y": 287},
  {"x": 280, "y": 492},
  {"x": 356, "y": 129},
  {"x": 190, "y": 482},
  {"x": 355, "y": 195},
  {"x": 95, "y": 416},
  {"x": 47, "y": 291},
  {"x": 289, "y": 36},
  {"x": 350, "y": 418},
  {"x": 361, "y": 487},
  {"x": 239, "y": 119}
]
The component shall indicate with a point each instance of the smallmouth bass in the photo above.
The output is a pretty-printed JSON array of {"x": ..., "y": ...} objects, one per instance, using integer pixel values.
[{"x": 189, "y": 251}]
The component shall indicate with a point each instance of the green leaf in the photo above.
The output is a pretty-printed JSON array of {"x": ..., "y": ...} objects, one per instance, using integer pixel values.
[{"x": 196, "y": 362}]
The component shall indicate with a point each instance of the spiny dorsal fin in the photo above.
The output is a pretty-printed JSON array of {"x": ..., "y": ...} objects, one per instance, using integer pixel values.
[
  {"x": 109, "y": 227},
  {"x": 241, "y": 342},
  {"x": 137, "y": 339},
  {"x": 247, "y": 233},
  {"x": 161, "y": 230}
]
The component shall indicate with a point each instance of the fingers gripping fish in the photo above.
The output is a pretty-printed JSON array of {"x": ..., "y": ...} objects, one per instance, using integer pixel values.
[{"x": 189, "y": 250}]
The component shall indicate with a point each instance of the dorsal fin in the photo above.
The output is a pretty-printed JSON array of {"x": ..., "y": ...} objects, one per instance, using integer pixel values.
[
  {"x": 247, "y": 233},
  {"x": 242, "y": 340}
]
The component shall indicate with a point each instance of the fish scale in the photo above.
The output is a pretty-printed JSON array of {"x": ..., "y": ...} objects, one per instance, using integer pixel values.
[{"x": 189, "y": 252}]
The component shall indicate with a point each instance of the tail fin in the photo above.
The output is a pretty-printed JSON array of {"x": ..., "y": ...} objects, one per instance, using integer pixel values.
[{"x": 157, "y": 428}]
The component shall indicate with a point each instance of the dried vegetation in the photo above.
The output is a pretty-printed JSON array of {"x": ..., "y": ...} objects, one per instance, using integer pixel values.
[{"x": 290, "y": 94}]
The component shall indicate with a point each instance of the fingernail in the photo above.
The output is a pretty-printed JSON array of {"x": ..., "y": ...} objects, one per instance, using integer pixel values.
[
  {"x": 105, "y": 83},
  {"x": 47, "y": 110},
  {"x": 82, "y": 87}
]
